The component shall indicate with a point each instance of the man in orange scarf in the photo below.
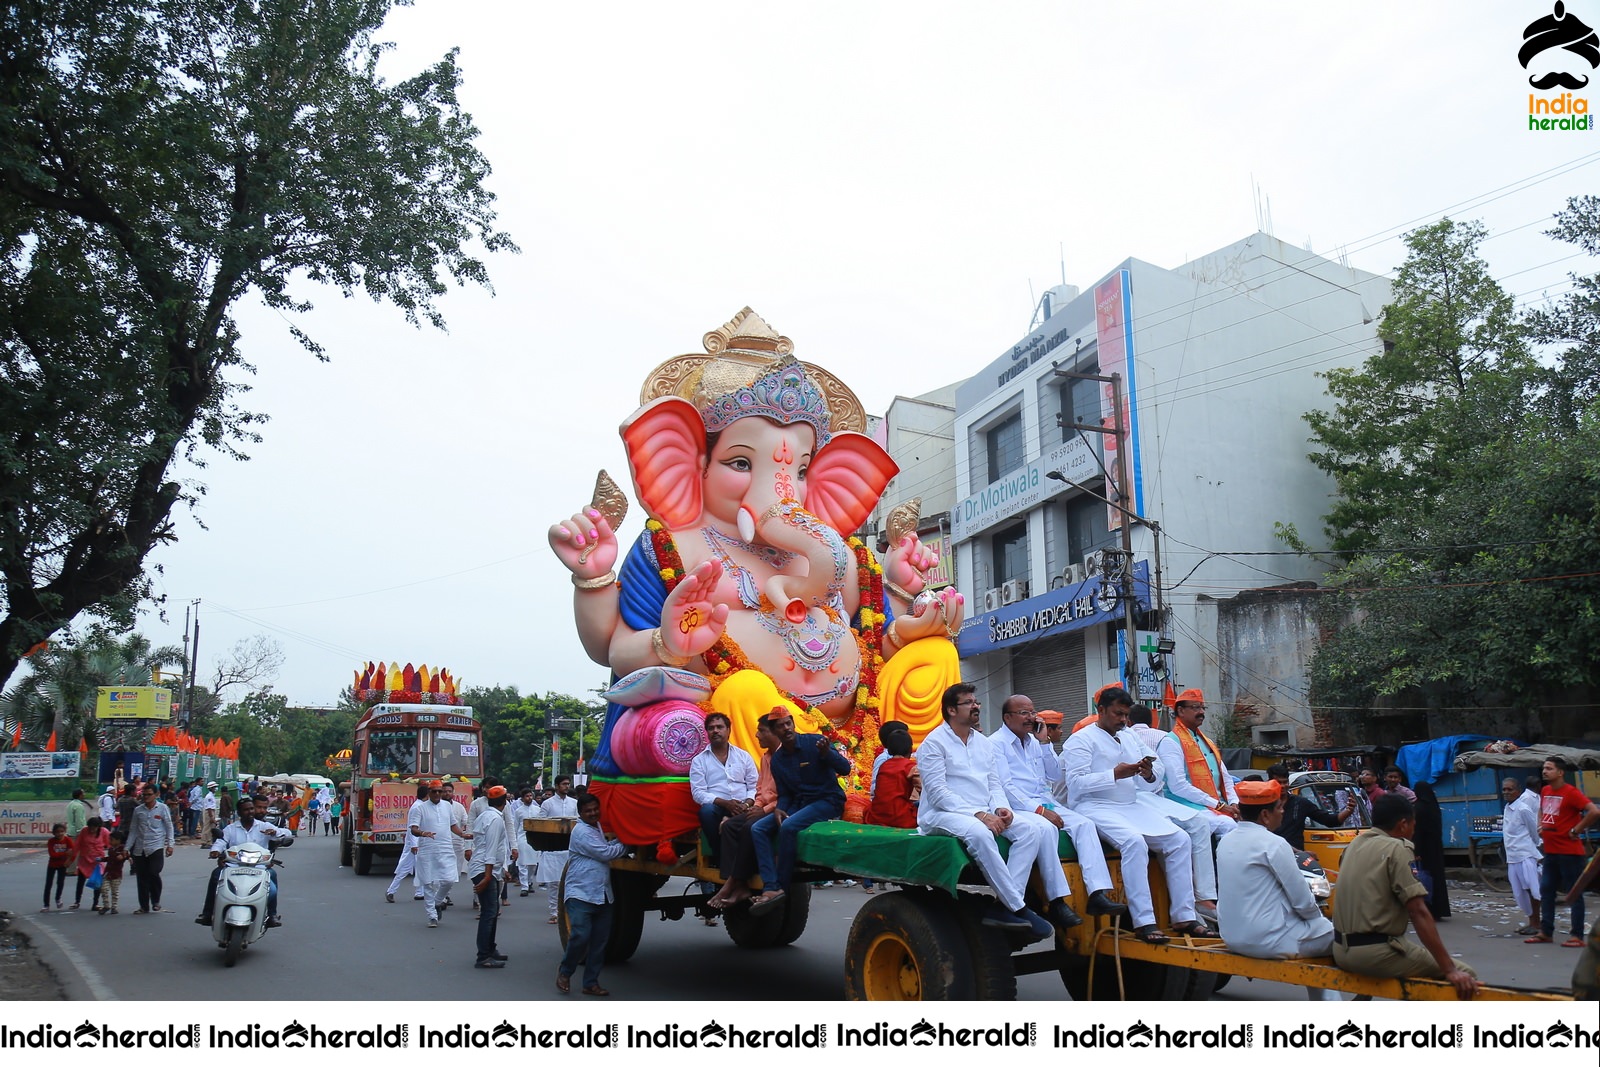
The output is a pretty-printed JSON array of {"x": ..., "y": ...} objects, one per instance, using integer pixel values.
[{"x": 1197, "y": 778}]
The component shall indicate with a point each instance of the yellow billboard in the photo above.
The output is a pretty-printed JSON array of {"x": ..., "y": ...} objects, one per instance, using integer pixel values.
[{"x": 133, "y": 702}]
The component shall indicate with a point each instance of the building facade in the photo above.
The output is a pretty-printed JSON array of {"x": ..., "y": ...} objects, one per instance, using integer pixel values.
[{"x": 1215, "y": 365}]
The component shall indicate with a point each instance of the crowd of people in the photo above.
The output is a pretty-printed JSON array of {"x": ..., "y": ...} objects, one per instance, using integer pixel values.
[{"x": 1226, "y": 847}]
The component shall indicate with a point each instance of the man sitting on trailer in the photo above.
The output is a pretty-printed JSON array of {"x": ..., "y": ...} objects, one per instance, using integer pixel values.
[
  {"x": 806, "y": 770},
  {"x": 1104, "y": 777},
  {"x": 1265, "y": 909},
  {"x": 962, "y": 798},
  {"x": 1378, "y": 894},
  {"x": 1028, "y": 769}
]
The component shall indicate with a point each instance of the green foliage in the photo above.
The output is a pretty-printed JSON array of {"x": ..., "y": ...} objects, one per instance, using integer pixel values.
[
  {"x": 516, "y": 731},
  {"x": 1454, "y": 373},
  {"x": 59, "y": 691},
  {"x": 1488, "y": 593},
  {"x": 160, "y": 159},
  {"x": 275, "y": 738}
]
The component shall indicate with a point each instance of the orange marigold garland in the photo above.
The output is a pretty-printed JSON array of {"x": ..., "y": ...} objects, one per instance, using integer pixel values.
[{"x": 858, "y": 734}]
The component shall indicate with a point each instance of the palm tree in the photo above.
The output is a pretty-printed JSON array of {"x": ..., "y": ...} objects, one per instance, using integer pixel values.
[{"x": 59, "y": 694}]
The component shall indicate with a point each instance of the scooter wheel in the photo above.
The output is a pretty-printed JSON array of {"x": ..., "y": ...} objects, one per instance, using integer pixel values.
[{"x": 235, "y": 946}]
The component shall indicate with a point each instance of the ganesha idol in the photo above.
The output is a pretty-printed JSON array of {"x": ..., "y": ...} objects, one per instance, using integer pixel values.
[{"x": 747, "y": 590}]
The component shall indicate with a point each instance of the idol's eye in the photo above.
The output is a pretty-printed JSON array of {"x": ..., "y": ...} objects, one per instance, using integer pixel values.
[
  {"x": 802, "y": 474},
  {"x": 738, "y": 463}
]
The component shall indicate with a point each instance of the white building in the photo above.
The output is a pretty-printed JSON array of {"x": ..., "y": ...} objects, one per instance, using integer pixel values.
[
  {"x": 916, "y": 431},
  {"x": 1217, "y": 362}
]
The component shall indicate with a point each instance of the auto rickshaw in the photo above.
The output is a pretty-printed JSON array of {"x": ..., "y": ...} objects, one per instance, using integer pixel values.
[{"x": 1331, "y": 790}]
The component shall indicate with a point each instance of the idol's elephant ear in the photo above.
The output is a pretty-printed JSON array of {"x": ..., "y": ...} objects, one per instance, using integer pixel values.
[
  {"x": 845, "y": 479},
  {"x": 666, "y": 441}
]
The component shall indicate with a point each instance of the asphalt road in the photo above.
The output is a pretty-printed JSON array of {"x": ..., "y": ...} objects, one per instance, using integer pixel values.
[{"x": 342, "y": 941}]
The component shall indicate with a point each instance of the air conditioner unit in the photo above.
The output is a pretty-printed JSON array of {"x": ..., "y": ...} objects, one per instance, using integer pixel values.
[
  {"x": 1014, "y": 590},
  {"x": 1094, "y": 564},
  {"x": 1074, "y": 574},
  {"x": 991, "y": 600}
]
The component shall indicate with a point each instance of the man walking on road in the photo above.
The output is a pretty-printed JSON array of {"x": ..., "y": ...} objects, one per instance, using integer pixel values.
[
  {"x": 407, "y": 867},
  {"x": 150, "y": 840},
  {"x": 560, "y": 806},
  {"x": 431, "y": 823},
  {"x": 488, "y": 861}
]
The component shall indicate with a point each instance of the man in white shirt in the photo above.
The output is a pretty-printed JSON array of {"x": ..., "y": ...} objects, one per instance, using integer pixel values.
[
  {"x": 1104, "y": 776},
  {"x": 1520, "y": 834},
  {"x": 722, "y": 780},
  {"x": 461, "y": 833},
  {"x": 407, "y": 867},
  {"x": 1028, "y": 769},
  {"x": 433, "y": 825},
  {"x": 208, "y": 811},
  {"x": 246, "y": 831},
  {"x": 1266, "y": 909},
  {"x": 526, "y": 860},
  {"x": 560, "y": 805},
  {"x": 1197, "y": 778},
  {"x": 962, "y": 798},
  {"x": 487, "y": 862}
]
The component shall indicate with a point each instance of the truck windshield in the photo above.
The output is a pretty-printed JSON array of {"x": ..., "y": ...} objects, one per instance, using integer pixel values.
[
  {"x": 456, "y": 753},
  {"x": 392, "y": 752}
]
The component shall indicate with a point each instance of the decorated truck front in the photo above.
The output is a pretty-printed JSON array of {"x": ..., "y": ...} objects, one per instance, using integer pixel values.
[{"x": 415, "y": 728}]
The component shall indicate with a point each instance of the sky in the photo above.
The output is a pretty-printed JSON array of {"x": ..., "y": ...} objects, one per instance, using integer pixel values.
[{"x": 891, "y": 185}]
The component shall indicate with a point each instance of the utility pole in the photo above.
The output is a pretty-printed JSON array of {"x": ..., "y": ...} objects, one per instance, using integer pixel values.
[{"x": 1119, "y": 433}]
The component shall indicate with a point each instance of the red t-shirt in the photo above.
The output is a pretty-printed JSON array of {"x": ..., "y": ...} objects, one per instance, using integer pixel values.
[
  {"x": 1559, "y": 811},
  {"x": 891, "y": 800},
  {"x": 60, "y": 849}
]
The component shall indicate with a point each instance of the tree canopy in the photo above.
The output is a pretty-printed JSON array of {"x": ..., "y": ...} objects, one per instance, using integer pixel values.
[
  {"x": 160, "y": 159},
  {"x": 1469, "y": 478}
]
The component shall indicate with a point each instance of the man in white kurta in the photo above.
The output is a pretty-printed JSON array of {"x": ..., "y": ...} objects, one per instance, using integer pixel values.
[
  {"x": 1104, "y": 777},
  {"x": 962, "y": 798},
  {"x": 460, "y": 834},
  {"x": 1520, "y": 833},
  {"x": 1029, "y": 769},
  {"x": 432, "y": 824},
  {"x": 1205, "y": 788},
  {"x": 522, "y": 855},
  {"x": 1266, "y": 910},
  {"x": 560, "y": 805}
]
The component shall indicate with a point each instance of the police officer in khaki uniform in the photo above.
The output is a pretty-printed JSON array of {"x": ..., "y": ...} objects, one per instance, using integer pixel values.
[{"x": 1378, "y": 894}]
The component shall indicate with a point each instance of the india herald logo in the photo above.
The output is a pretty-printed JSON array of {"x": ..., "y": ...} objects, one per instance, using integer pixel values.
[{"x": 1564, "y": 31}]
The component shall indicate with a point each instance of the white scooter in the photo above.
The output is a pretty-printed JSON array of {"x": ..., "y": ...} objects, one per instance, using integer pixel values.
[{"x": 239, "y": 917}]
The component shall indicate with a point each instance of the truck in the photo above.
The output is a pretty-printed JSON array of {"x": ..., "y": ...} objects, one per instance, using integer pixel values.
[{"x": 414, "y": 729}]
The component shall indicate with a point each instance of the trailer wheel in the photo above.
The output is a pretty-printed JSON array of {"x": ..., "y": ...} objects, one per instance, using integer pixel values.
[
  {"x": 1141, "y": 980},
  {"x": 364, "y": 858},
  {"x": 781, "y": 926},
  {"x": 994, "y": 978},
  {"x": 907, "y": 946},
  {"x": 634, "y": 890}
]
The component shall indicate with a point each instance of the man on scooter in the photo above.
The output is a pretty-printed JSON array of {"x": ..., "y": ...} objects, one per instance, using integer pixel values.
[{"x": 246, "y": 831}]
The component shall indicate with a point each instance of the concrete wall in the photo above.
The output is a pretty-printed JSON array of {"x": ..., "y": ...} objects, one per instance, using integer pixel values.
[{"x": 1266, "y": 639}]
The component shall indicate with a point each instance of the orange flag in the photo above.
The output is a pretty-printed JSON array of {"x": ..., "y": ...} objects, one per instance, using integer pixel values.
[{"x": 1170, "y": 697}]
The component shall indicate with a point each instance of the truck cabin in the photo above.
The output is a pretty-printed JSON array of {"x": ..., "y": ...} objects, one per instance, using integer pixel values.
[{"x": 407, "y": 742}]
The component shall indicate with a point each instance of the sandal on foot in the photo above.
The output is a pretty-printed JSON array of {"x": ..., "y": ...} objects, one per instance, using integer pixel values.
[
  {"x": 1151, "y": 935},
  {"x": 563, "y": 983},
  {"x": 1192, "y": 928},
  {"x": 1572, "y": 942},
  {"x": 1537, "y": 939},
  {"x": 766, "y": 902}
]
